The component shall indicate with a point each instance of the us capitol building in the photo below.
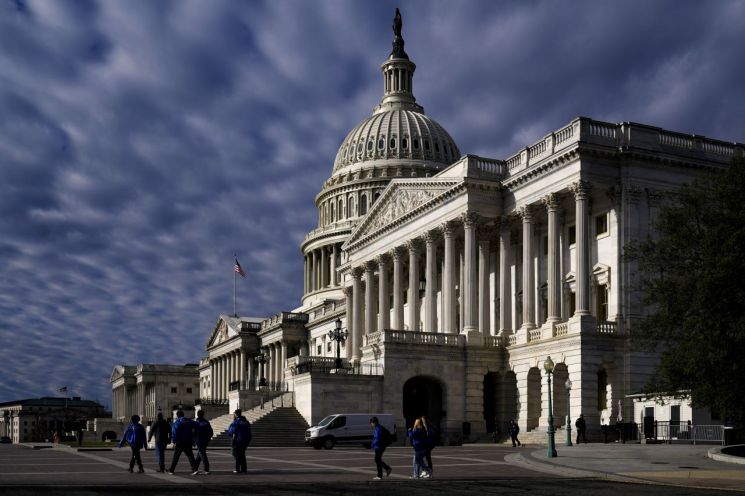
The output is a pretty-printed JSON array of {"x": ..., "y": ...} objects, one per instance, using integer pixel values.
[{"x": 455, "y": 277}]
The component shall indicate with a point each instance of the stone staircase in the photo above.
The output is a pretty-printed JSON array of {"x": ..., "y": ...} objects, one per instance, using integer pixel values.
[{"x": 273, "y": 426}]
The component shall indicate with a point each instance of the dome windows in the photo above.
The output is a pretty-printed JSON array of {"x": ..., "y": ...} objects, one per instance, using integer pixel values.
[
  {"x": 381, "y": 143},
  {"x": 426, "y": 144},
  {"x": 393, "y": 143},
  {"x": 415, "y": 143},
  {"x": 404, "y": 143},
  {"x": 369, "y": 146},
  {"x": 363, "y": 204}
]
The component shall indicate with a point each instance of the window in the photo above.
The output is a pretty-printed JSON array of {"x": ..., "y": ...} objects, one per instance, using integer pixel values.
[
  {"x": 602, "y": 389},
  {"x": 437, "y": 147},
  {"x": 426, "y": 144},
  {"x": 602, "y": 304},
  {"x": 338, "y": 422},
  {"x": 415, "y": 142},
  {"x": 363, "y": 204},
  {"x": 572, "y": 303},
  {"x": 381, "y": 143},
  {"x": 601, "y": 224},
  {"x": 359, "y": 148},
  {"x": 350, "y": 212},
  {"x": 174, "y": 390},
  {"x": 393, "y": 143},
  {"x": 188, "y": 390},
  {"x": 572, "y": 235},
  {"x": 341, "y": 209},
  {"x": 320, "y": 350},
  {"x": 404, "y": 143},
  {"x": 369, "y": 146},
  {"x": 328, "y": 346}
]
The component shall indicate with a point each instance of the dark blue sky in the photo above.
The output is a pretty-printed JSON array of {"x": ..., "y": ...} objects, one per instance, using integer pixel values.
[{"x": 142, "y": 143}]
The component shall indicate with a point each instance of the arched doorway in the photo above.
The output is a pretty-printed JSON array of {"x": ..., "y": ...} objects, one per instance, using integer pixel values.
[
  {"x": 534, "y": 397},
  {"x": 422, "y": 396},
  {"x": 492, "y": 386},
  {"x": 510, "y": 400}
]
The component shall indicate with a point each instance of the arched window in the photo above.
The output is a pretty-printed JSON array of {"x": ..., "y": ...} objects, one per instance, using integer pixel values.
[
  {"x": 350, "y": 210},
  {"x": 340, "y": 210},
  {"x": 363, "y": 204},
  {"x": 376, "y": 196},
  {"x": 333, "y": 211}
]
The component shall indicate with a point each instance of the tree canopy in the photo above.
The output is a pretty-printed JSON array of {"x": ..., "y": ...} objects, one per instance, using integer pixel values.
[{"x": 692, "y": 275}]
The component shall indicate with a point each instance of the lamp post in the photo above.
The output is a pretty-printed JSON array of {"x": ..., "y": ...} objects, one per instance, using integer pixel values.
[
  {"x": 338, "y": 334},
  {"x": 261, "y": 359},
  {"x": 548, "y": 365},
  {"x": 568, "y": 386}
]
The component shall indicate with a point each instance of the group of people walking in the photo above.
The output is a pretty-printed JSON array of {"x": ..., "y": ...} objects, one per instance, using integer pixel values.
[
  {"x": 423, "y": 436},
  {"x": 185, "y": 434}
]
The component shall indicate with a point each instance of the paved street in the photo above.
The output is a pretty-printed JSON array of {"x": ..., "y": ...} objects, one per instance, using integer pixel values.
[{"x": 483, "y": 469}]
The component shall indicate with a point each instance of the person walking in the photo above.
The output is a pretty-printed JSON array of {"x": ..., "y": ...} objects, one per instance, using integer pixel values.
[
  {"x": 581, "y": 428},
  {"x": 381, "y": 440},
  {"x": 182, "y": 435},
  {"x": 514, "y": 431},
  {"x": 433, "y": 436},
  {"x": 203, "y": 434},
  {"x": 161, "y": 431},
  {"x": 240, "y": 433},
  {"x": 134, "y": 435},
  {"x": 418, "y": 438}
]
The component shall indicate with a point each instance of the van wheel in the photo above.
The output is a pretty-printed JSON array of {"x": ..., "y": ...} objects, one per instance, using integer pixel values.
[{"x": 329, "y": 443}]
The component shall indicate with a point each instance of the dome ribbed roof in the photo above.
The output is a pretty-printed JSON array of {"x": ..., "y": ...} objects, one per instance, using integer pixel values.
[{"x": 397, "y": 134}]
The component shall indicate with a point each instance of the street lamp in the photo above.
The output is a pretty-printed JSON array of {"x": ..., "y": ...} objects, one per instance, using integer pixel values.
[
  {"x": 261, "y": 359},
  {"x": 568, "y": 386},
  {"x": 548, "y": 365},
  {"x": 338, "y": 334}
]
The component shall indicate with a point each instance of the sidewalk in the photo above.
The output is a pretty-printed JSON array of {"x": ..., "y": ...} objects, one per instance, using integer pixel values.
[{"x": 679, "y": 465}]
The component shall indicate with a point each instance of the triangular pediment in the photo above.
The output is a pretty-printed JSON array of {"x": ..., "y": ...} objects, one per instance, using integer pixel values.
[
  {"x": 222, "y": 332},
  {"x": 402, "y": 198}
]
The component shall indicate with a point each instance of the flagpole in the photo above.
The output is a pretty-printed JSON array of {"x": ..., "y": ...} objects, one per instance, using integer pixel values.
[{"x": 235, "y": 314}]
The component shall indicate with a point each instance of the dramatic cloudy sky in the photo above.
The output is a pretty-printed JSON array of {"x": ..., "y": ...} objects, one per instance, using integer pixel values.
[{"x": 142, "y": 143}]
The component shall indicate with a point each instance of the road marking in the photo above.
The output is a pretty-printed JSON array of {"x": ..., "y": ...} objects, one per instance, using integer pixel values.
[{"x": 156, "y": 475}]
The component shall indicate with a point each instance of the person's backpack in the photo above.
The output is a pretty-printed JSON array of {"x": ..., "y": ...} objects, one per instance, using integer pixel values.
[{"x": 387, "y": 437}]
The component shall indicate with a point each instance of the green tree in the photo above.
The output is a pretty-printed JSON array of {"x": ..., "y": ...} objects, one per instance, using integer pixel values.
[{"x": 692, "y": 273}]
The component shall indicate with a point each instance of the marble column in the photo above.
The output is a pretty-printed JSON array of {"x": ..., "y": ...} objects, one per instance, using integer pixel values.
[
  {"x": 581, "y": 190},
  {"x": 370, "y": 294},
  {"x": 414, "y": 246},
  {"x": 357, "y": 315},
  {"x": 332, "y": 275},
  {"x": 554, "y": 277},
  {"x": 315, "y": 279},
  {"x": 430, "y": 275},
  {"x": 470, "y": 305},
  {"x": 324, "y": 267},
  {"x": 350, "y": 317},
  {"x": 398, "y": 276},
  {"x": 384, "y": 313},
  {"x": 282, "y": 361},
  {"x": 448, "y": 278},
  {"x": 242, "y": 374},
  {"x": 505, "y": 283},
  {"x": 526, "y": 214},
  {"x": 485, "y": 234}
]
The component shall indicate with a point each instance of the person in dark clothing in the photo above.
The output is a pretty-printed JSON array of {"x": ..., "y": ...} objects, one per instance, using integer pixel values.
[
  {"x": 182, "y": 435},
  {"x": 380, "y": 441},
  {"x": 202, "y": 439},
  {"x": 433, "y": 436},
  {"x": 135, "y": 437},
  {"x": 161, "y": 431},
  {"x": 514, "y": 431},
  {"x": 240, "y": 433},
  {"x": 581, "y": 428}
]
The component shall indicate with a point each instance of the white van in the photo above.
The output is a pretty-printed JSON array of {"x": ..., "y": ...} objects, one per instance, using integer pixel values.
[{"x": 346, "y": 428}]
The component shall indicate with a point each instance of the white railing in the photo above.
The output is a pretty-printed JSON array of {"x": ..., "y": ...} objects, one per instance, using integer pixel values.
[
  {"x": 487, "y": 165},
  {"x": 561, "y": 329},
  {"x": 514, "y": 162},
  {"x": 676, "y": 140},
  {"x": 512, "y": 339},
  {"x": 414, "y": 337},
  {"x": 563, "y": 134},
  {"x": 607, "y": 327},
  {"x": 493, "y": 342},
  {"x": 603, "y": 129},
  {"x": 718, "y": 148},
  {"x": 537, "y": 149},
  {"x": 534, "y": 335}
]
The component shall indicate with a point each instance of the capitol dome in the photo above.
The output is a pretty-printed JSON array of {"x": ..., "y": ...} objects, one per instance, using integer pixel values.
[{"x": 397, "y": 133}]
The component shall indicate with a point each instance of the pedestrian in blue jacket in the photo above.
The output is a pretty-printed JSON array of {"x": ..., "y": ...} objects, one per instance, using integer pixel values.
[
  {"x": 433, "y": 435},
  {"x": 418, "y": 438},
  {"x": 182, "y": 436},
  {"x": 135, "y": 436},
  {"x": 240, "y": 433},
  {"x": 203, "y": 434},
  {"x": 381, "y": 440}
]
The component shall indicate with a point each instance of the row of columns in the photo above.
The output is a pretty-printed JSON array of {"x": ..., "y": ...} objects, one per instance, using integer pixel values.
[
  {"x": 229, "y": 367},
  {"x": 320, "y": 268},
  {"x": 274, "y": 369},
  {"x": 475, "y": 293}
]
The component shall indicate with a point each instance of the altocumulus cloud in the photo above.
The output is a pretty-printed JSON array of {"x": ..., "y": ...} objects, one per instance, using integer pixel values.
[{"x": 143, "y": 142}]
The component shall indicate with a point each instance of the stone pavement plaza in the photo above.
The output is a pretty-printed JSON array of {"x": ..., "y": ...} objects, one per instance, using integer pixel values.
[{"x": 483, "y": 469}]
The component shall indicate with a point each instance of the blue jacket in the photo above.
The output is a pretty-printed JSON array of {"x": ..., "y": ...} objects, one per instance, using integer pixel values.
[
  {"x": 203, "y": 433},
  {"x": 134, "y": 435},
  {"x": 182, "y": 431},
  {"x": 240, "y": 431},
  {"x": 418, "y": 439},
  {"x": 378, "y": 442}
]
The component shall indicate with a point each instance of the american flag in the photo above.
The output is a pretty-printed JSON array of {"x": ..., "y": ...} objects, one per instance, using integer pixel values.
[
  {"x": 237, "y": 268},
  {"x": 62, "y": 389}
]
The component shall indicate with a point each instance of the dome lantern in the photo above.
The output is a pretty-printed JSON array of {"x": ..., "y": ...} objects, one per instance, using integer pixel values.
[{"x": 398, "y": 75}]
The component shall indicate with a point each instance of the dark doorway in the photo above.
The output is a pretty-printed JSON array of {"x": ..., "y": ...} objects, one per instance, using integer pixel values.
[
  {"x": 422, "y": 396},
  {"x": 491, "y": 396}
]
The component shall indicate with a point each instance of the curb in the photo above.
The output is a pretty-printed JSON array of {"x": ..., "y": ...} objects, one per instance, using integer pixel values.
[{"x": 716, "y": 454}]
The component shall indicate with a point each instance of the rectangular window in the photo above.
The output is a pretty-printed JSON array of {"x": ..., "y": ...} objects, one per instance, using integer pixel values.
[
  {"x": 320, "y": 350},
  {"x": 601, "y": 224},
  {"x": 572, "y": 235},
  {"x": 572, "y": 303},
  {"x": 328, "y": 346},
  {"x": 188, "y": 390},
  {"x": 602, "y": 308},
  {"x": 174, "y": 390},
  {"x": 675, "y": 415}
]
